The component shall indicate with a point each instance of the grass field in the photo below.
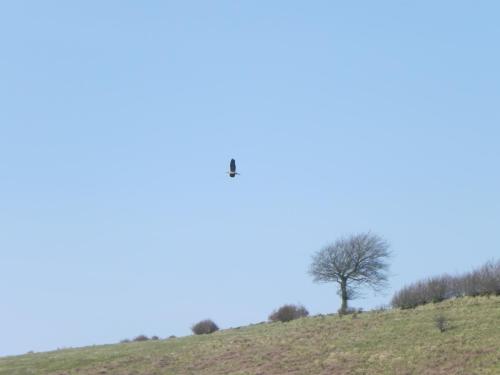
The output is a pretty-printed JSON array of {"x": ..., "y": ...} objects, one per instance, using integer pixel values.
[{"x": 390, "y": 342}]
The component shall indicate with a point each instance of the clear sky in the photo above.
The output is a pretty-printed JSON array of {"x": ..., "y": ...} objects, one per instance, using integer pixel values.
[{"x": 118, "y": 120}]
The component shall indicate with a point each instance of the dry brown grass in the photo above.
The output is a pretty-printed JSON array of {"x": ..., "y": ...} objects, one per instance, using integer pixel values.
[{"x": 391, "y": 342}]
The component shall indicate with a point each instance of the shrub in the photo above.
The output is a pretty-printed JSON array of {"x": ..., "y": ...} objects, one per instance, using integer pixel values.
[
  {"x": 488, "y": 279},
  {"x": 204, "y": 327},
  {"x": 481, "y": 281},
  {"x": 441, "y": 323},
  {"x": 125, "y": 341},
  {"x": 155, "y": 338},
  {"x": 288, "y": 312},
  {"x": 437, "y": 289},
  {"x": 141, "y": 338}
]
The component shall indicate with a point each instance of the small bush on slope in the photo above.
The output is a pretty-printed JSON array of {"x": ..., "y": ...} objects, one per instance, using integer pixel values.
[
  {"x": 288, "y": 312},
  {"x": 204, "y": 327},
  {"x": 442, "y": 323},
  {"x": 141, "y": 338}
]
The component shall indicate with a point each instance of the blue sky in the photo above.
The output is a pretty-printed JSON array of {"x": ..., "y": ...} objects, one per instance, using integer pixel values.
[{"x": 118, "y": 120}]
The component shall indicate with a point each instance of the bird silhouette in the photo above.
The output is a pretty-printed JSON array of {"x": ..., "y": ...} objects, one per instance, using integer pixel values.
[{"x": 232, "y": 168}]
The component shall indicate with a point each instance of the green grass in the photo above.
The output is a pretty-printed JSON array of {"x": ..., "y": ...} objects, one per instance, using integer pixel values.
[{"x": 390, "y": 342}]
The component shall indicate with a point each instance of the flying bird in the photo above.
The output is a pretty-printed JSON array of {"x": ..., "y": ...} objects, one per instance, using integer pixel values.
[{"x": 232, "y": 168}]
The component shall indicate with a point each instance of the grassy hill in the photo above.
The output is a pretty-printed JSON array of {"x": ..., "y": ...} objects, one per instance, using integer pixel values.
[{"x": 391, "y": 342}]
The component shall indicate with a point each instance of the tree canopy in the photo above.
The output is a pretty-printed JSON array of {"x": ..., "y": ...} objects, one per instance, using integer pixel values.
[{"x": 353, "y": 262}]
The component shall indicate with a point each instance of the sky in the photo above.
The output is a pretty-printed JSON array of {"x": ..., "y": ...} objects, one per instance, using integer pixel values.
[{"x": 118, "y": 120}]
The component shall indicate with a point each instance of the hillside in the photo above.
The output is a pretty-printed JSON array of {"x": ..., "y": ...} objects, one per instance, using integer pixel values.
[{"x": 390, "y": 342}]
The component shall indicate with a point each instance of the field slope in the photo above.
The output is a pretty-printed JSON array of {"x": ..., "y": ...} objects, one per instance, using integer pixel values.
[{"x": 390, "y": 342}]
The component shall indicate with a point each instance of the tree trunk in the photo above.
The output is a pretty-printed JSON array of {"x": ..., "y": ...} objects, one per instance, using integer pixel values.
[{"x": 343, "y": 290}]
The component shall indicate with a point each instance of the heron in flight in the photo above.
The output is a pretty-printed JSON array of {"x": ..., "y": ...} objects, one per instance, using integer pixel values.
[{"x": 232, "y": 168}]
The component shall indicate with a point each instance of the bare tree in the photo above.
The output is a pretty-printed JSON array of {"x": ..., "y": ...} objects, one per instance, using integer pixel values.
[{"x": 353, "y": 262}]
